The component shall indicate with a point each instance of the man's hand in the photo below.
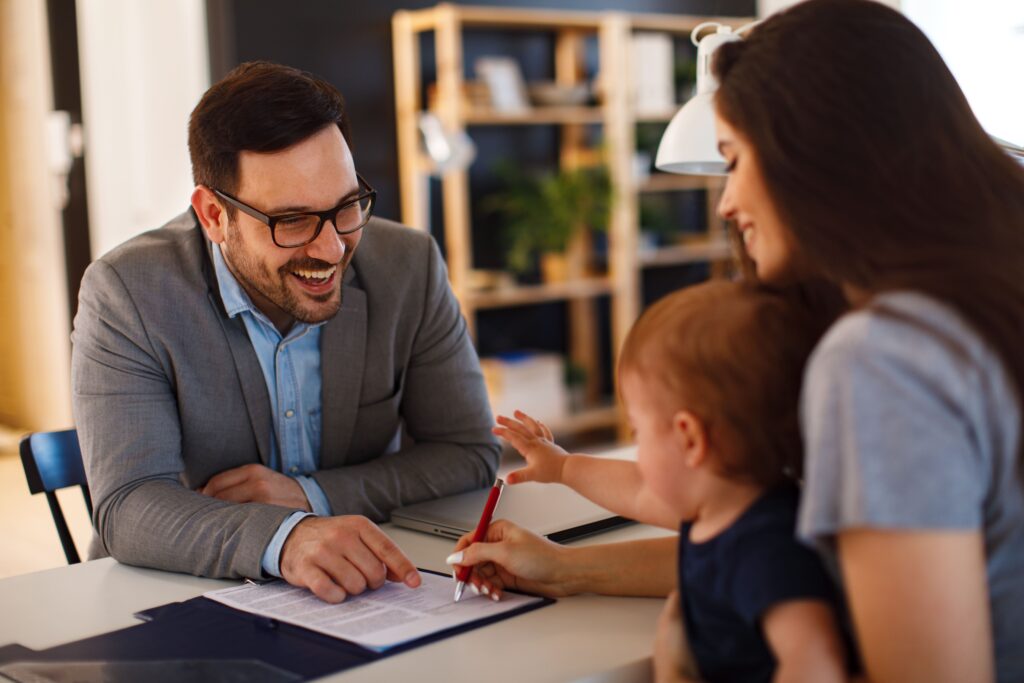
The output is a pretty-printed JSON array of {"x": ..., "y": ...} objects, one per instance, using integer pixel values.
[
  {"x": 340, "y": 556},
  {"x": 256, "y": 484},
  {"x": 545, "y": 460}
]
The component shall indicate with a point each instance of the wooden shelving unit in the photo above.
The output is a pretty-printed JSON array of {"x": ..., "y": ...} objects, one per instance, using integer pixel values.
[
  {"x": 538, "y": 294},
  {"x": 694, "y": 251},
  {"x": 538, "y": 115},
  {"x": 618, "y": 120},
  {"x": 670, "y": 182}
]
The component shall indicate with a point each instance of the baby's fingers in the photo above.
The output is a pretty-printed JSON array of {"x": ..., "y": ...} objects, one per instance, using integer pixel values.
[
  {"x": 534, "y": 426},
  {"x": 514, "y": 425},
  {"x": 521, "y": 475},
  {"x": 518, "y": 441},
  {"x": 547, "y": 432}
]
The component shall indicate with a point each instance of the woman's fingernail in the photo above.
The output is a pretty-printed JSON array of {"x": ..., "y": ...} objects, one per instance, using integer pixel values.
[
  {"x": 486, "y": 590},
  {"x": 454, "y": 558},
  {"x": 495, "y": 597},
  {"x": 473, "y": 588}
]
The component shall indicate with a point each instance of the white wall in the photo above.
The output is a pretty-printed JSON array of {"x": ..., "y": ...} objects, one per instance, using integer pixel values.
[
  {"x": 982, "y": 42},
  {"x": 144, "y": 66},
  {"x": 766, "y": 7}
]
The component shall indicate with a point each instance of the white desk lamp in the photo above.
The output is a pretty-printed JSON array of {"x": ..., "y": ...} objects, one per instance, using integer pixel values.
[{"x": 689, "y": 144}]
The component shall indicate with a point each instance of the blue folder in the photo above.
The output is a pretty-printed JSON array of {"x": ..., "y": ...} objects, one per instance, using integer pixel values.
[{"x": 200, "y": 639}]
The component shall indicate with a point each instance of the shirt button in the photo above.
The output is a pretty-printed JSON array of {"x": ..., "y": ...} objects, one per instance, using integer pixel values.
[
  {"x": 294, "y": 469},
  {"x": 289, "y": 413}
]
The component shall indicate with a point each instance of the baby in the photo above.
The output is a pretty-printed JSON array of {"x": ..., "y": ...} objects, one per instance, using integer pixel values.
[{"x": 710, "y": 379}]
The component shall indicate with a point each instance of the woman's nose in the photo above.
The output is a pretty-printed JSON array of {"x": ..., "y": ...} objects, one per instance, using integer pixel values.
[{"x": 726, "y": 205}]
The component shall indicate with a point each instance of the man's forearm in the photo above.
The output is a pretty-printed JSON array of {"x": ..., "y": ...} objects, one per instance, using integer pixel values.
[
  {"x": 161, "y": 524},
  {"x": 420, "y": 472}
]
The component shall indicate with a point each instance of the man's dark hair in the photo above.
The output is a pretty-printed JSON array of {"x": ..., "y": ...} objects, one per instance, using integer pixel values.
[{"x": 258, "y": 107}]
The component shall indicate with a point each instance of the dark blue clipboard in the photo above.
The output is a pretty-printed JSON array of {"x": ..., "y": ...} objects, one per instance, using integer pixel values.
[{"x": 201, "y": 639}]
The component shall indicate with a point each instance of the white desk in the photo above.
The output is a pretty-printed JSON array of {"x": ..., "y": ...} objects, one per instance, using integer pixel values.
[{"x": 586, "y": 637}]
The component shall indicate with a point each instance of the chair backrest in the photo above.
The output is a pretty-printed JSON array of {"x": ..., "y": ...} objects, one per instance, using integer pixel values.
[{"x": 52, "y": 461}]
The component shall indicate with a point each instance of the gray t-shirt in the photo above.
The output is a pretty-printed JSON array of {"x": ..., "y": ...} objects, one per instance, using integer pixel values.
[{"x": 911, "y": 422}]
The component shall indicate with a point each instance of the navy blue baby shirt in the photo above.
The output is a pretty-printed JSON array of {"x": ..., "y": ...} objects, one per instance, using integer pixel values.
[{"x": 729, "y": 582}]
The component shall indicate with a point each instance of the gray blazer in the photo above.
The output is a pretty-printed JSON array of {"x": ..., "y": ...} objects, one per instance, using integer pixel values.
[{"x": 168, "y": 392}]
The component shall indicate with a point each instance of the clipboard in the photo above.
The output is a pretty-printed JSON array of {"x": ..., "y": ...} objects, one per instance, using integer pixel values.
[{"x": 200, "y": 638}]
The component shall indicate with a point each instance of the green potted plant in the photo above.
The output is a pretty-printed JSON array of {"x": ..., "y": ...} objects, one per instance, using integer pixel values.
[
  {"x": 576, "y": 385},
  {"x": 542, "y": 212}
]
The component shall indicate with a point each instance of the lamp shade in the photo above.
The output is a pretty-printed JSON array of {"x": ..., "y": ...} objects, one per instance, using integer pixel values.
[{"x": 689, "y": 144}]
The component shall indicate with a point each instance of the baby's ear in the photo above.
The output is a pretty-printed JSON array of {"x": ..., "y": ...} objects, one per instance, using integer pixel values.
[{"x": 690, "y": 437}]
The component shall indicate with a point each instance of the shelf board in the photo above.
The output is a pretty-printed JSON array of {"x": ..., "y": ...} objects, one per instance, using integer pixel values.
[
  {"x": 670, "y": 182},
  {"x": 535, "y": 294},
  {"x": 552, "y": 20},
  {"x": 696, "y": 251},
  {"x": 656, "y": 116},
  {"x": 591, "y": 418},
  {"x": 534, "y": 115}
]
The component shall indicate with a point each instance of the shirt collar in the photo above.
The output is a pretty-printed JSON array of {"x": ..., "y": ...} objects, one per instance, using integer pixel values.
[{"x": 231, "y": 293}]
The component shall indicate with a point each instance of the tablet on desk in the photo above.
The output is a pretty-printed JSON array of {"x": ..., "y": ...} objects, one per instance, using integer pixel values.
[{"x": 551, "y": 510}]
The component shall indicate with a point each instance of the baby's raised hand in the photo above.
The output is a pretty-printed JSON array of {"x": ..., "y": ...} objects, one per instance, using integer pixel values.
[{"x": 544, "y": 458}]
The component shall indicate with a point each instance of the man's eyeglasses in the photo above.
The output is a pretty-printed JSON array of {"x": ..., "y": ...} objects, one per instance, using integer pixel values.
[{"x": 290, "y": 230}]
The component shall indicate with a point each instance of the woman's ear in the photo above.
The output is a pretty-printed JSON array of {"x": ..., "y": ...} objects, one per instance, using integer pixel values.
[
  {"x": 690, "y": 436},
  {"x": 211, "y": 214}
]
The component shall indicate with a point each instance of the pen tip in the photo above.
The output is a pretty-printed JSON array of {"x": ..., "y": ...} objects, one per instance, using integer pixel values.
[{"x": 459, "y": 588}]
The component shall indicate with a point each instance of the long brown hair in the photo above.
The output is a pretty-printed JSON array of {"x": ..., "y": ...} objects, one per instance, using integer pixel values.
[{"x": 877, "y": 165}]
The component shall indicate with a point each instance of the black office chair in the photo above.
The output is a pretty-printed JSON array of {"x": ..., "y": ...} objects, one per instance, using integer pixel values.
[{"x": 52, "y": 461}]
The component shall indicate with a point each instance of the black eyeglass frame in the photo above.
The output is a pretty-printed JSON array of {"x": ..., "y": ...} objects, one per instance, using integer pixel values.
[{"x": 323, "y": 216}]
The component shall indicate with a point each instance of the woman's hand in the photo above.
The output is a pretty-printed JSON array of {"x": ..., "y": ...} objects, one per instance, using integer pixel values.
[
  {"x": 511, "y": 557},
  {"x": 672, "y": 661},
  {"x": 545, "y": 460}
]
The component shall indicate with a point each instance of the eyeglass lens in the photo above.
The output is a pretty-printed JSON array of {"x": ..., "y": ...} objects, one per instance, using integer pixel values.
[{"x": 300, "y": 228}]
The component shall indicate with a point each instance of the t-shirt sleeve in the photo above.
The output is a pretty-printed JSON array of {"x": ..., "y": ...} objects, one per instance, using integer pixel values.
[
  {"x": 777, "y": 568},
  {"x": 888, "y": 436}
]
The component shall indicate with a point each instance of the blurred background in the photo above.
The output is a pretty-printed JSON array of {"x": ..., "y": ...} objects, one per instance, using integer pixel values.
[{"x": 467, "y": 119}]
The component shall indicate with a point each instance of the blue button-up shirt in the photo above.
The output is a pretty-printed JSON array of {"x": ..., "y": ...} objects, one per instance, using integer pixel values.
[{"x": 291, "y": 369}]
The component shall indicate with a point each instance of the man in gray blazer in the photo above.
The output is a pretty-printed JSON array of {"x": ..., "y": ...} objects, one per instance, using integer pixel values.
[{"x": 250, "y": 388}]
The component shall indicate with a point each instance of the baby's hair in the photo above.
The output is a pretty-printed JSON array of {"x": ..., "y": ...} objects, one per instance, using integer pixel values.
[{"x": 733, "y": 354}]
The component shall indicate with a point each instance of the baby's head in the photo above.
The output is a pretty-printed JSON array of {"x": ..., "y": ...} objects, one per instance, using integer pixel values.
[{"x": 710, "y": 376}]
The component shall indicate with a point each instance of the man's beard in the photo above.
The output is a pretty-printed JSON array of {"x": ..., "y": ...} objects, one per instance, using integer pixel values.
[{"x": 254, "y": 275}]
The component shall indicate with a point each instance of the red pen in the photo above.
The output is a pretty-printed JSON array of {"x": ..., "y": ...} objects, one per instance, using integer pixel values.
[{"x": 481, "y": 531}]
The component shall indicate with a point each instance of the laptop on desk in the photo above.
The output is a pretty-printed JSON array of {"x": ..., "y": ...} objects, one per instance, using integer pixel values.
[{"x": 551, "y": 510}]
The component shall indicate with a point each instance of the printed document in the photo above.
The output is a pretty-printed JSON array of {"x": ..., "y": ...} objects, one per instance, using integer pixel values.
[{"x": 380, "y": 619}]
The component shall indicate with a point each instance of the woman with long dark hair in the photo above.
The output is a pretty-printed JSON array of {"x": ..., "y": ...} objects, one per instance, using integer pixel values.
[
  {"x": 855, "y": 159},
  {"x": 854, "y": 156}
]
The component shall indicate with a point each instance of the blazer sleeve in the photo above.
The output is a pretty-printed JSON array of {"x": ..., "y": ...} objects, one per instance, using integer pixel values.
[
  {"x": 126, "y": 413},
  {"x": 444, "y": 407}
]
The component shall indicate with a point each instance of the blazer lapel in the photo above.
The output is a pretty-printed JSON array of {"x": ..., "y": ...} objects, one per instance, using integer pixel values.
[
  {"x": 250, "y": 375},
  {"x": 342, "y": 361}
]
